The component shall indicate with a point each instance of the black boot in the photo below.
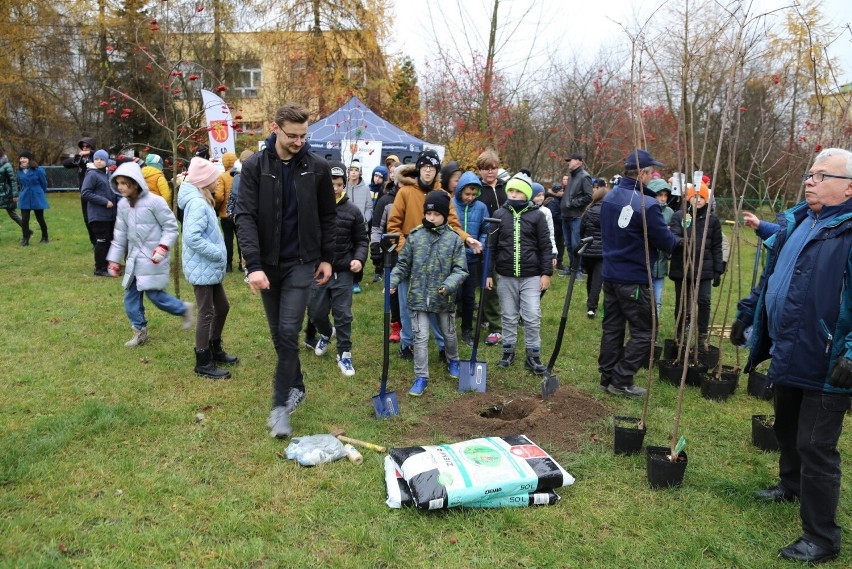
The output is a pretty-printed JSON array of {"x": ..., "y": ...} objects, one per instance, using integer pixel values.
[
  {"x": 533, "y": 361},
  {"x": 219, "y": 355},
  {"x": 206, "y": 367},
  {"x": 508, "y": 356},
  {"x": 25, "y": 242}
]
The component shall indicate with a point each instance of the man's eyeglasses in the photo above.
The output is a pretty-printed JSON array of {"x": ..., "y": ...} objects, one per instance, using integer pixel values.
[
  {"x": 295, "y": 137},
  {"x": 818, "y": 177}
]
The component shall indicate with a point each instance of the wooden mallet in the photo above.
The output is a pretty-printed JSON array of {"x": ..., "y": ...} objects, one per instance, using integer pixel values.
[{"x": 340, "y": 436}]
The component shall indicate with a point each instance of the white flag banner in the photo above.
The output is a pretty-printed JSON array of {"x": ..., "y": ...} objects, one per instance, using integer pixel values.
[
  {"x": 368, "y": 152},
  {"x": 219, "y": 125}
]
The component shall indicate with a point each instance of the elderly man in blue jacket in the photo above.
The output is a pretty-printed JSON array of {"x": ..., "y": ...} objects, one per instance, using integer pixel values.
[
  {"x": 626, "y": 212},
  {"x": 801, "y": 317}
]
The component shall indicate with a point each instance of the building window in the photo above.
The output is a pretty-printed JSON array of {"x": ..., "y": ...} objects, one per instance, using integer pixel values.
[{"x": 245, "y": 79}]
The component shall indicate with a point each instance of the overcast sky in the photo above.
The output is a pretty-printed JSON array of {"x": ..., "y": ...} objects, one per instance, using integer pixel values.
[{"x": 553, "y": 23}]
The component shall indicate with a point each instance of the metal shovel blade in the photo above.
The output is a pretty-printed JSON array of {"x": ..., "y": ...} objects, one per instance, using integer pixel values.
[
  {"x": 549, "y": 384},
  {"x": 472, "y": 376},
  {"x": 386, "y": 405}
]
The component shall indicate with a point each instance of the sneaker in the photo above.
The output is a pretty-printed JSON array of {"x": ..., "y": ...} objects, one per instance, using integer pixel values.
[
  {"x": 322, "y": 345},
  {"x": 418, "y": 387},
  {"x": 140, "y": 336},
  {"x": 507, "y": 359},
  {"x": 493, "y": 338},
  {"x": 294, "y": 399},
  {"x": 565, "y": 272},
  {"x": 356, "y": 289},
  {"x": 377, "y": 277},
  {"x": 279, "y": 423},
  {"x": 453, "y": 367},
  {"x": 344, "y": 362},
  {"x": 188, "y": 316},
  {"x": 590, "y": 314},
  {"x": 311, "y": 343},
  {"x": 631, "y": 391},
  {"x": 406, "y": 353}
]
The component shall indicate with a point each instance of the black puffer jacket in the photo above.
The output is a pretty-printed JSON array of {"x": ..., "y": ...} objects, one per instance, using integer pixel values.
[
  {"x": 494, "y": 197},
  {"x": 350, "y": 236},
  {"x": 527, "y": 253},
  {"x": 590, "y": 226},
  {"x": 713, "y": 263}
]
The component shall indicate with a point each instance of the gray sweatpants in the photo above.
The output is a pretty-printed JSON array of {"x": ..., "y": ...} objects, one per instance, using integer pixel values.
[
  {"x": 420, "y": 327},
  {"x": 520, "y": 296}
]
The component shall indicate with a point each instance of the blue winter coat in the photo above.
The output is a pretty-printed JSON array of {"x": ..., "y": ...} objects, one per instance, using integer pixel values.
[
  {"x": 624, "y": 248},
  {"x": 203, "y": 244},
  {"x": 32, "y": 189},
  {"x": 817, "y": 323},
  {"x": 96, "y": 192},
  {"x": 471, "y": 216}
]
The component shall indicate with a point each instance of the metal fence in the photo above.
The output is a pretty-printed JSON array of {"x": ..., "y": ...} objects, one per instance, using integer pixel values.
[{"x": 61, "y": 179}]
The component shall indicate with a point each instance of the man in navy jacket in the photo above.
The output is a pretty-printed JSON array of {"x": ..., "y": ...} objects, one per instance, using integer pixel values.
[
  {"x": 627, "y": 256},
  {"x": 801, "y": 317}
]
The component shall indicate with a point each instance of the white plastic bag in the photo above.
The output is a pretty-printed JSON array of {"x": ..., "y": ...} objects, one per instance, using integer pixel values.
[{"x": 315, "y": 449}]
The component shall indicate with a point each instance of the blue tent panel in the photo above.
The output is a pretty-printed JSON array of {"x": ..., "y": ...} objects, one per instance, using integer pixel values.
[{"x": 355, "y": 121}]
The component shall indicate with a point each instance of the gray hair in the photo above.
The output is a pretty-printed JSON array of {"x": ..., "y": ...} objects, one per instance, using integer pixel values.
[{"x": 829, "y": 152}]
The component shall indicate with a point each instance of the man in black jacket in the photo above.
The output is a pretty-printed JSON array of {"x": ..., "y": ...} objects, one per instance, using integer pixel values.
[
  {"x": 81, "y": 162},
  {"x": 578, "y": 194},
  {"x": 285, "y": 227}
]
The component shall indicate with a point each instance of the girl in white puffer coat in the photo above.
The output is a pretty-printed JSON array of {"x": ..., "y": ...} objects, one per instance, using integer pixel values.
[{"x": 145, "y": 230}]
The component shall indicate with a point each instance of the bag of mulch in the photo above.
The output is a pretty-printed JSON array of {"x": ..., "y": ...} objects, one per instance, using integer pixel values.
[
  {"x": 399, "y": 495},
  {"x": 478, "y": 471}
]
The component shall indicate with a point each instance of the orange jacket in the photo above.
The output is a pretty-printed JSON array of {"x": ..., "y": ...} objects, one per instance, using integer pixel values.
[
  {"x": 223, "y": 188},
  {"x": 157, "y": 183},
  {"x": 407, "y": 210}
]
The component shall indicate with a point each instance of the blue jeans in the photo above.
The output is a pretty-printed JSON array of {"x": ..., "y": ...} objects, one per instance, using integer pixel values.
[
  {"x": 136, "y": 310},
  {"x": 406, "y": 335},
  {"x": 285, "y": 302},
  {"x": 571, "y": 236},
  {"x": 808, "y": 425},
  {"x": 658, "y": 294}
]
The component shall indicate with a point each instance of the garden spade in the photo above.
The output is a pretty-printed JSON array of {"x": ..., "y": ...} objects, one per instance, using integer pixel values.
[
  {"x": 472, "y": 374},
  {"x": 550, "y": 383},
  {"x": 385, "y": 403}
]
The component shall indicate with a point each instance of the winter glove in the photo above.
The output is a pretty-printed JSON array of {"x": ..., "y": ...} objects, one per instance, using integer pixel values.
[
  {"x": 738, "y": 329},
  {"x": 717, "y": 280},
  {"x": 376, "y": 253},
  {"x": 842, "y": 374},
  {"x": 159, "y": 253}
]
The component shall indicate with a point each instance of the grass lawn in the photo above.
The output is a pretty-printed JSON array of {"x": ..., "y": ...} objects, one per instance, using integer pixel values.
[{"x": 102, "y": 463}]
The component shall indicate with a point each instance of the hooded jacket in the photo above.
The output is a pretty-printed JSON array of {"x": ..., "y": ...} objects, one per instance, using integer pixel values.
[
  {"x": 471, "y": 216},
  {"x": 447, "y": 172},
  {"x": 226, "y": 182},
  {"x": 8, "y": 184},
  {"x": 139, "y": 229},
  {"x": 157, "y": 183},
  {"x": 429, "y": 260},
  {"x": 817, "y": 324},
  {"x": 407, "y": 209},
  {"x": 259, "y": 209},
  {"x": 624, "y": 247},
  {"x": 523, "y": 246},
  {"x": 203, "y": 245},
  {"x": 378, "y": 190},
  {"x": 350, "y": 237},
  {"x": 359, "y": 195},
  {"x": 96, "y": 191}
]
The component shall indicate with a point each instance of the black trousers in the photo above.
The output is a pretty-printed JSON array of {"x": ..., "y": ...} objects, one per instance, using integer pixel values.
[
  {"x": 808, "y": 426},
  {"x": 229, "y": 233},
  {"x": 625, "y": 305},
  {"x": 102, "y": 230},
  {"x": 705, "y": 290},
  {"x": 25, "y": 222},
  {"x": 594, "y": 269},
  {"x": 85, "y": 206}
]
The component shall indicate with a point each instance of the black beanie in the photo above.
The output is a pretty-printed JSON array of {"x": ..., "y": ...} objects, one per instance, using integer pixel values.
[{"x": 438, "y": 201}]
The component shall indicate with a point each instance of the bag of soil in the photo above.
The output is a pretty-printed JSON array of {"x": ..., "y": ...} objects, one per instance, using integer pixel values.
[{"x": 486, "y": 472}]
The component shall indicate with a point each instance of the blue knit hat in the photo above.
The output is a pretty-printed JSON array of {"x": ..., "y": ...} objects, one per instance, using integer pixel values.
[{"x": 101, "y": 155}]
